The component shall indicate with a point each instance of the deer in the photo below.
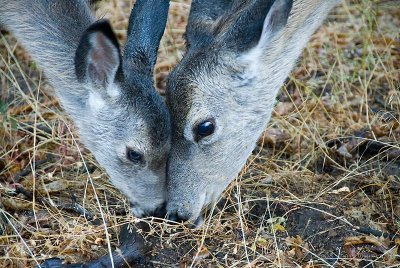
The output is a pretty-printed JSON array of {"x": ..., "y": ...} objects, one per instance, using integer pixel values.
[
  {"x": 109, "y": 96},
  {"x": 222, "y": 93}
]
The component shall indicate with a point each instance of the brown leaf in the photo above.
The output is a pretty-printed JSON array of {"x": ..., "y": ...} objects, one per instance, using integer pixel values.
[
  {"x": 359, "y": 240},
  {"x": 16, "y": 204},
  {"x": 343, "y": 151},
  {"x": 273, "y": 136},
  {"x": 283, "y": 108}
]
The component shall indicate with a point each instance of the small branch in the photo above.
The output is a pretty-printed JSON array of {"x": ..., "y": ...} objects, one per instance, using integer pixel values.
[
  {"x": 131, "y": 251},
  {"x": 370, "y": 231},
  {"x": 28, "y": 169},
  {"x": 76, "y": 208}
]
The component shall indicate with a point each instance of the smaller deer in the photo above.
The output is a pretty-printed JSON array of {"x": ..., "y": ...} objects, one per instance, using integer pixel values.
[
  {"x": 110, "y": 97},
  {"x": 221, "y": 95}
]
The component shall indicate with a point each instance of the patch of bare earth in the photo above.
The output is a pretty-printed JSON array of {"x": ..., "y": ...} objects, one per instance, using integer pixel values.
[{"x": 322, "y": 189}]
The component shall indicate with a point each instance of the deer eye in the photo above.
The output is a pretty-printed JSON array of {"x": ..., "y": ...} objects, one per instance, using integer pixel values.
[
  {"x": 134, "y": 156},
  {"x": 204, "y": 129}
]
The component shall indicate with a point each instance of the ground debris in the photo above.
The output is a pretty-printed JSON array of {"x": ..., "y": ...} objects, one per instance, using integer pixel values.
[{"x": 322, "y": 189}]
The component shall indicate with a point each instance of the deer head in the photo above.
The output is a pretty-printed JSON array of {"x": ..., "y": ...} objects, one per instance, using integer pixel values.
[
  {"x": 221, "y": 95},
  {"x": 110, "y": 96}
]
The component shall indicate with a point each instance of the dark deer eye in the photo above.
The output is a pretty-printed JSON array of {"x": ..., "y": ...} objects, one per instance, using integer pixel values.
[
  {"x": 204, "y": 129},
  {"x": 134, "y": 156}
]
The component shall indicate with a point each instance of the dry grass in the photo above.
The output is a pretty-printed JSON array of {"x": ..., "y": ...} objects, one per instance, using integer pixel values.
[{"x": 327, "y": 165}]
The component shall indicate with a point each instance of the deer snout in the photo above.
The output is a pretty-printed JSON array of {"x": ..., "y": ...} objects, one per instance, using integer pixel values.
[
  {"x": 178, "y": 217},
  {"x": 182, "y": 218},
  {"x": 181, "y": 212},
  {"x": 158, "y": 212},
  {"x": 185, "y": 210}
]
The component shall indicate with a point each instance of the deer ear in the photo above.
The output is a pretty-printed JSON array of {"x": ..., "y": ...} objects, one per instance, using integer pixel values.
[
  {"x": 146, "y": 26},
  {"x": 203, "y": 18},
  {"x": 98, "y": 58},
  {"x": 252, "y": 23},
  {"x": 276, "y": 19}
]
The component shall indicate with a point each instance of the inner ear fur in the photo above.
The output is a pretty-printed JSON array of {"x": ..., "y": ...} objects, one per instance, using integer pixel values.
[{"x": 98, "y": 57}]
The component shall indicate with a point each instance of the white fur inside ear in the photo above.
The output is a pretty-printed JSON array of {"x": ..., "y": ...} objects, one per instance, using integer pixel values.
[
  {"x": 96, "y": 102},
  {"x": 113, "y": 90},
  {"x": 270, "y": 33}
]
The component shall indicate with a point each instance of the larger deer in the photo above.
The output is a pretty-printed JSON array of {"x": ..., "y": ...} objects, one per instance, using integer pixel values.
[
  {"x": 221, "y": 95},
  {"x": 110, "y": 97}
]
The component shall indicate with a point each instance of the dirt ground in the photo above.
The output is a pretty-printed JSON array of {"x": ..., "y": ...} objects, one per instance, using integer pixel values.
[{"x": 322, "y": 188}]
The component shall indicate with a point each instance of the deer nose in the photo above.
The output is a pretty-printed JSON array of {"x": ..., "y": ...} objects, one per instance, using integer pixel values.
[
  {"x": 160, "y": 211},
  {"x": 177, "y": 217}
]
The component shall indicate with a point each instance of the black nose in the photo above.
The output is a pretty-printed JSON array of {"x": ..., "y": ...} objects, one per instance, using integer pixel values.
[
  {"x": 160, "y": 212},
  {"x": 176, "y": 217}
]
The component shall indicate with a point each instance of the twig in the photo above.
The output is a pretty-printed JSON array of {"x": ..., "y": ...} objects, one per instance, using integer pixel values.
[
  {"x": 76, "y": 208},
  {"x": 28, "y": 169},
  {"x": 21, "y": 190},
  {"x": 131, "y": 251},
  {"x": 370, "y": 231},
  {"x": 73, "y": 207}
]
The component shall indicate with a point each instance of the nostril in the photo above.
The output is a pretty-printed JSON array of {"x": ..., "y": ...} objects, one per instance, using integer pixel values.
[
  {"x": 176, "y": 217},
  {"x": 160, "y": 212},
  {"x": 172, "y": 217}
]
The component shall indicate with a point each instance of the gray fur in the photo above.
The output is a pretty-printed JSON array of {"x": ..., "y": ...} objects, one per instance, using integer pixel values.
[
  {"x": 123, "y": 110},
  {"x": 232, "y": 77}
]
